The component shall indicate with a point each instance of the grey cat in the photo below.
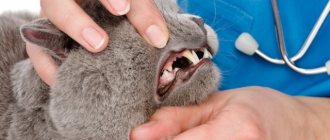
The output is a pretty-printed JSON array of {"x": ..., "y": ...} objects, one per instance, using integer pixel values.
[{"x": 103, "y": 95}]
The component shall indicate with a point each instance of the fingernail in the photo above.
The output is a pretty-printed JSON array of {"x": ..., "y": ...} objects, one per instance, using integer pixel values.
[
  {"x": 120, "y": 6},
  {"x": 156, "y": 37},
  {"x": 93, "y": 37}
]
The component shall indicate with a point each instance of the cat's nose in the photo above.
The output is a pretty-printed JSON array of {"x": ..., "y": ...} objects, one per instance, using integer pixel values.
[{"x": 200, "y": 22}]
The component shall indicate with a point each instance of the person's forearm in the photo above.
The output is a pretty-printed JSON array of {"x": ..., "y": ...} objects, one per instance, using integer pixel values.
[{"x": 320, "y": 115}]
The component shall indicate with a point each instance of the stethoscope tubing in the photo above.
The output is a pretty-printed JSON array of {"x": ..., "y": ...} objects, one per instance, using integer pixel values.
[
  {"x": 313, "y": 33},
  {"x": 308, "y": 42}
]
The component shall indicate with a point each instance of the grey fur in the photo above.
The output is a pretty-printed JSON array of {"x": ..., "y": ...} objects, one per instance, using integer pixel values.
[{"x": 95, "y": 96}]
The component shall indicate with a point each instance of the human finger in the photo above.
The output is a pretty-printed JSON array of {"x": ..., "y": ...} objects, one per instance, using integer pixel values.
[
  {"x": 171, "y": 121},
  {"x": 117, "y": 7},
  {"x": 43, "y": 63},
  {"x": 72, "y": 20},
  {"x": 202, "y": 132},
  {"x": 148, "y": 21}
]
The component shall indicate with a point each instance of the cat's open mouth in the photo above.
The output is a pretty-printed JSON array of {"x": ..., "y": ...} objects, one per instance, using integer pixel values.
[{"x": 179, "y": 67}]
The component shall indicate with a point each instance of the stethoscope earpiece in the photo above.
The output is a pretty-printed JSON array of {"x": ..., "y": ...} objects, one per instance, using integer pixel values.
[{"x": 245, "y": 43}]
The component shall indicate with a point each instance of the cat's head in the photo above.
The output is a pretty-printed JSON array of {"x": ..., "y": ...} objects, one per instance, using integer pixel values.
[
  {"x": 129, "y": 65},
  {"x": 129, "y": 72}
]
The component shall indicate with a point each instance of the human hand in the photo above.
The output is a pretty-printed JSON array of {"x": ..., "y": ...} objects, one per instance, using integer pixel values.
[
  {"x": 72, "y": 20},
  {"x": 251, "y": 113}
]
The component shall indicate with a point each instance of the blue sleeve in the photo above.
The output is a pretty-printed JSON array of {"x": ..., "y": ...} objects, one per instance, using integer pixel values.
[{"x": 232, "y": 17}]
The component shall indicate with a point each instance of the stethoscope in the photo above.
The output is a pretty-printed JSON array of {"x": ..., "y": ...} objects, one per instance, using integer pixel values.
[{"x": 248, "y": 45}]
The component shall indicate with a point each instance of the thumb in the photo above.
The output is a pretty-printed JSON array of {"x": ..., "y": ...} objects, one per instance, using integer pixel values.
[
  {"x": 171, "y": 121},
  {"x": 42, "y": 63}
]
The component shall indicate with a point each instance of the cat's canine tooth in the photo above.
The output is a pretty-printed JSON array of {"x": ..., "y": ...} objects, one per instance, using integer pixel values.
[
  {"x": 195, "y": 55},
  {"x": 190, "y": 56},
  {"x": 207, "y": 54}
]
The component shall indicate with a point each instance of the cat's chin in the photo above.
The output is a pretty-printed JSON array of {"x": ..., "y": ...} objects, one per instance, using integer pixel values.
[{"x": 178, "y": 68}]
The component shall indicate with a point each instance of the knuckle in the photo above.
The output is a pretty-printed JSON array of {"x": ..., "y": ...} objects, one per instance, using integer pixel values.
[
  {"x": 65, "y": 26},
  {"x": 250, "y": 131},
  {"x": 65, "y": 21}
]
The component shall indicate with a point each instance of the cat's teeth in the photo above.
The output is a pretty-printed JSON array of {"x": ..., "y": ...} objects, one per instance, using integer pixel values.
[
  {"x": 167, "y": 77},
  {"x": 169, "y": 69},
  {"x": 188, "y": 54},
  {"x": 195, "y": 55},
  {"x": 166, "y": 73},
  {"x": 207, "y": 54}
]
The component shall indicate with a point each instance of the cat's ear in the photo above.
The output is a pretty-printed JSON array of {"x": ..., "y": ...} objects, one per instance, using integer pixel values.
[{"x": 44, "y": 34}]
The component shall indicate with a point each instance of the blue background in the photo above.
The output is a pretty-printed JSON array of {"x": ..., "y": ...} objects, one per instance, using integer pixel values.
[{"x": 232, "y": 17}]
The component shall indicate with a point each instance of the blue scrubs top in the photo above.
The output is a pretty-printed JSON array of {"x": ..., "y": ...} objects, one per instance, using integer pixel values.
[{"x": 232, "y": 17}]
